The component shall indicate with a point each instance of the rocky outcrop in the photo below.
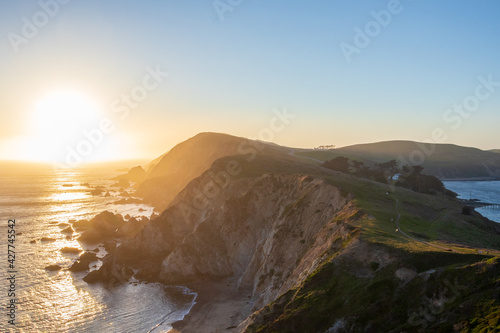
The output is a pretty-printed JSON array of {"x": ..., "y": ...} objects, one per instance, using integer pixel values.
[
  {"x": 52, "y": 268},
  {"x": 102, "y": 226},
  {"x": 131, "y": 228},
  {"x": 82, "y": 264},
  {"x": 116, "y": 274},
  {"x": 135, "y": 174}
]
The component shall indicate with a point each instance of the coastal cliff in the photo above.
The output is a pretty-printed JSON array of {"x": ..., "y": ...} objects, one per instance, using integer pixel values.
[
  {"x": 290, "y": 246},
  {"x": 267, "y": 233}
]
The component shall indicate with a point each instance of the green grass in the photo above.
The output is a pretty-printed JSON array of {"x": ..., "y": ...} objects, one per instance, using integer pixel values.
[
  {"x": 434, "y": 219},
  {"x": 332, "y": 293},
  {"x": 336, "y": 290}
]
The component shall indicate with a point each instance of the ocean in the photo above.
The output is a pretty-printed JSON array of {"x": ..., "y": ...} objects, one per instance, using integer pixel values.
[
  {"x": 485, "y": 191},
  {"x": 61, "y": 301}
]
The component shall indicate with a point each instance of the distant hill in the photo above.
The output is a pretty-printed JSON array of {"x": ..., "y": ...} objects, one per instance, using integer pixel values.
[
  {"x": 168, "y": 174},
  {"x": 445, "y": 161},
  {"x": 171, "y": 172},
  {"x": 495, "y": 151}
]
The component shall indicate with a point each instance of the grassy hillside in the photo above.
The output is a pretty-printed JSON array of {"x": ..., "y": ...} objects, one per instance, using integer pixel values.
[
  {"x": 356, "y": 295},
  {"x": 168, "y": 174},
  {"x": 464, "y": 299},
  {"x": 441, "y": 160},
  {"x": 431, "y": 234},
  {"x": 435, "y": 220}
]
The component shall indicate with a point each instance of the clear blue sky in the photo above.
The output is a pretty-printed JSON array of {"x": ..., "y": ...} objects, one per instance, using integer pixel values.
[{"x": 227, "y": 76}]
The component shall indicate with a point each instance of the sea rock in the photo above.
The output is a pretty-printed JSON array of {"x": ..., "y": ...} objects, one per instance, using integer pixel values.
[
  {"x": 53, "y": 268},
  {"x": 90, "y": 236},
  {"x": 82, "y": 224},
  {"x": 82, "y": 264},
  {"x": 128, "y": 201},
  {"x": 149, "y": 273},
  {"x": 71, "y": 250},
  {"x": 102, "y": 226},
  {"x": 111, "y": 272},
  {"x": 68, "y": 231},
  {"x": 136, "y": 174},
  {"x": 97, "y": 191}
]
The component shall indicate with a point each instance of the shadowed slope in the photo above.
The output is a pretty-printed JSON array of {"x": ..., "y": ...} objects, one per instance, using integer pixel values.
[
  {"x": 189, "y": 159},
  {"x": 440, "y": 160}
]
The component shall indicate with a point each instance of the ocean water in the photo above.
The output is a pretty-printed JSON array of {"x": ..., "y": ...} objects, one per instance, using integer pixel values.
[
  {"x": 485, "y": 191},
  {"x": 61, "y": 301}
]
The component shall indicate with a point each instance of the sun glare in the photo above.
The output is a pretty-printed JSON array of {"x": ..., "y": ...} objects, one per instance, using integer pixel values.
[{"x": 57, "y": 120}]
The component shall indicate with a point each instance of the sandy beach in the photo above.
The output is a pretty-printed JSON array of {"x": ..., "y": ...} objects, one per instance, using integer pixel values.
[{"x": 216, "y": 310}]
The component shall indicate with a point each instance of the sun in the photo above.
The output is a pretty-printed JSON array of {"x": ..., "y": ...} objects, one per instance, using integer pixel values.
[{"x": 58, "y": 119}]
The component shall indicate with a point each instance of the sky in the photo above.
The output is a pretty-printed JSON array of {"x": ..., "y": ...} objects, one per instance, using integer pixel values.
[{"x": 86, "y": 80}]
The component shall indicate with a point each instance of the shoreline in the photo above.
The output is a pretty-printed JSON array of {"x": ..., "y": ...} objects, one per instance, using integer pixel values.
[{"x": 217, "y": 308}]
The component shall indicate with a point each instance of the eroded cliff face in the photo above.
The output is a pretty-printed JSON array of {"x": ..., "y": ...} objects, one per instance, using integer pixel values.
[{"x": 266, "y": 233}]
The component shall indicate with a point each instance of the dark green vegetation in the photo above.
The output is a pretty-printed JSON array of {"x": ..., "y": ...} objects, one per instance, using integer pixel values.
[
  {"x": 410, "y": 177},
  {"x": 435, "y": 218},
  {"x": 440, "y": 160},
  {"x": 461, "y": 299}
]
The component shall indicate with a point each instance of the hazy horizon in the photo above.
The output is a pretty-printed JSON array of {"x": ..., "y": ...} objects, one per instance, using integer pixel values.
[{"x": 131, "y": 162}]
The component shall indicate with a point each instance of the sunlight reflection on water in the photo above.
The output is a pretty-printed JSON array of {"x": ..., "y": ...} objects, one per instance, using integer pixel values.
[
  {"x": 61, "y": 301},
  {"x": 68, "y": 196}
]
